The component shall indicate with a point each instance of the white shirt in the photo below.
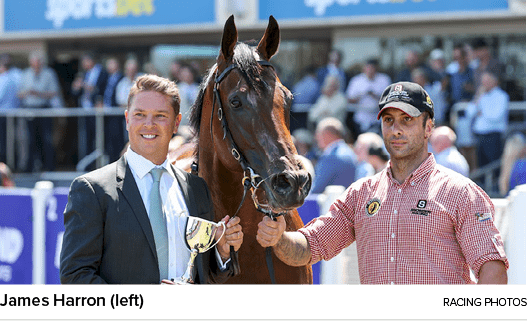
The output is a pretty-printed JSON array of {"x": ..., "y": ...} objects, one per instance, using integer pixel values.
[
  {"x": 122, "y": 90},
  {"x": 174, "y": 207},
  {"x": 494, "y": 108},
  {"x": 452, "y": 158},
  {"x": 368, "y": 106}
]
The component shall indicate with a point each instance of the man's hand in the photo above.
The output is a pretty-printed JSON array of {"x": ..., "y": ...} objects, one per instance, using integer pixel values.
[
  {"x": 269, "y": 231},
  {"x": 291, "y": 247},
  {"x": 233, "y": 236}
]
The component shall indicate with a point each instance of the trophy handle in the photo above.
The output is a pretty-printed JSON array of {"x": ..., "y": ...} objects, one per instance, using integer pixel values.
[{"x": 222, "y": 234}]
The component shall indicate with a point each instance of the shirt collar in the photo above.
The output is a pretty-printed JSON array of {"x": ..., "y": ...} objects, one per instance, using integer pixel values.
[
  {"x": 424, "y": 169},
  {"x": 142, "y": 166}
]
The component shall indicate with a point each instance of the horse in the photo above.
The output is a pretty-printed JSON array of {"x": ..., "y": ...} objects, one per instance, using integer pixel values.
[{"x": 240, "y": 121}]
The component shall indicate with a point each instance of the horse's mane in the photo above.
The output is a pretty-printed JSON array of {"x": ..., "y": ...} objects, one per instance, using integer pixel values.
[{"x": 245, "y": 60}]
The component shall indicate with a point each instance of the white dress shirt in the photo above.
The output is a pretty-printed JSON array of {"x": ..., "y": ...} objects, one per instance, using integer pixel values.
[
  {"x": 492, "y": 112},
  {"x": 174, "y": 207},
  {"x": 368, "y": 106}
]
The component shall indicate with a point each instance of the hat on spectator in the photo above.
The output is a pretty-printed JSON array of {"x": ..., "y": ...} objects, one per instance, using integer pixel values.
[
  {"x": 437, "y": 54},
  {"x": 408, "y": 97}
]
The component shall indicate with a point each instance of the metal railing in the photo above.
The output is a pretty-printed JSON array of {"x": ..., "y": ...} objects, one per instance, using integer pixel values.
[
  {"x": 516, "y": 111},
  {"x": 85, "y": 157}
]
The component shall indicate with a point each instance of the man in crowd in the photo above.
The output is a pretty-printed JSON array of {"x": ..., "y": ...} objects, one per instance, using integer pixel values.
[
  {"x": 363, "y": 90},
  {"x": 443, "y": 141},
  {"x": 491, "y": 119},
  {"x": 89, "y": 91},
  {"x": 39, "y": 85},
  {"x": 337, "y": 164}
]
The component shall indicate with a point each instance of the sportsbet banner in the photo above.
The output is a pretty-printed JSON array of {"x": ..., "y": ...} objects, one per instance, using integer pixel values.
[
  {"x": 49, "y": 15},
  {"x": 305, "y": 9}
]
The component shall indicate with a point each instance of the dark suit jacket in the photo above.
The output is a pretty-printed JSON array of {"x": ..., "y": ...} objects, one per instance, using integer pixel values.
[
  {"x": 108, "y": 237},
  {"x": 98, "y": 91}
]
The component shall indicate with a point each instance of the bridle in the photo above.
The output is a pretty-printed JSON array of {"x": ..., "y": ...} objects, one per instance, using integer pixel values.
[{"x": 251, "y": 180}]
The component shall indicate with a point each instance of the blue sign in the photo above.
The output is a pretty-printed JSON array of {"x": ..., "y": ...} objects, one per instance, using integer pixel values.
[
  {"x": 308, "y": 211},
  {"x": 43, "y": 15},
  {"x": 16, "y": 236},
  {"x": 302, "y": 9},
  {"x": 54, "y": 233}
]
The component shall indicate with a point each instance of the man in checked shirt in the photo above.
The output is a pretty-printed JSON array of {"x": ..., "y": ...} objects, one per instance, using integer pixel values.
[{"x": 415, "y": 222}]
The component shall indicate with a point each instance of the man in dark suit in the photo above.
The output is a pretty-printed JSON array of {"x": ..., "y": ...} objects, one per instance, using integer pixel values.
[
  {"x": 89, "y": 93},
  {"x": 112, "y": 234}
]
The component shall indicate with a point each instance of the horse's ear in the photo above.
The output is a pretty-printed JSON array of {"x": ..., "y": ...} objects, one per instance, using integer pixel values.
[
  {"x": 268, "y": 46},
  {"x": 229, "y": 38}
]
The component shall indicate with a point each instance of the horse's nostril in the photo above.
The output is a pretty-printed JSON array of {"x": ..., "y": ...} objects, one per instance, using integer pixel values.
[
  {"x": 282, "y": 183},
  {"x": 305, "y": 182}
]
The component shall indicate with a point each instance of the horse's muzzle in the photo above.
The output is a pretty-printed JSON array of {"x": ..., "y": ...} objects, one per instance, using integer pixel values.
[{"x": 290, "y": 188}]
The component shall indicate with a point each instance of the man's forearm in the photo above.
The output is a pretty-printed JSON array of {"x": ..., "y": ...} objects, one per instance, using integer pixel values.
[
  {"x": 493, "y": 272},
  {"x": 293, "y": 249}
]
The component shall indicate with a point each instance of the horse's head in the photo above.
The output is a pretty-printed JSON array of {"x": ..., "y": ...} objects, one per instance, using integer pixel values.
[{"x": 250, "y": 113}]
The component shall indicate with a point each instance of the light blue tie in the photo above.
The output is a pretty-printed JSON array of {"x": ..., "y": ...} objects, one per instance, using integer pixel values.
[{"x": 158, "y": 222}]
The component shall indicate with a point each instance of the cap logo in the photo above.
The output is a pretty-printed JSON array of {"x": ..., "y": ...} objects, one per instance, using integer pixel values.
[
  {"x": 428, "y": 100},
  {"x": 398, "y": 87}
]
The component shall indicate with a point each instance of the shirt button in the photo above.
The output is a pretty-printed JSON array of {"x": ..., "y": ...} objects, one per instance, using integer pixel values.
[
  {"x": 392, "y": 259},
  {"x": 412, "y": 183},
  {"x": 392, "y": 283},
  {"x": 399, "y": 190},
  {"x": 395, "y": 211},
  {"x": 393, "y": 235}
]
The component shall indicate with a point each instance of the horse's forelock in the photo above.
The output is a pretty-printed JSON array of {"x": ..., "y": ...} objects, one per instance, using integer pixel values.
[{"x": 245, "y": 60}]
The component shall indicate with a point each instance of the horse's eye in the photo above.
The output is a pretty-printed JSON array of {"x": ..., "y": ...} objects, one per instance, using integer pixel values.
[{"x": 235, "y": 103}]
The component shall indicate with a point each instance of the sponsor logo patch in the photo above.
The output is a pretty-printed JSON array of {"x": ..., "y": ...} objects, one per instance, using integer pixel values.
[
  {"x": 421, "y": 204},
  {"x": 483, "y": 216},
  {"x": 372, "y": 207}
]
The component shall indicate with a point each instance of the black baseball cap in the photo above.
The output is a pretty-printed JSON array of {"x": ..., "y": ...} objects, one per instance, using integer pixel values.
[{"x": 408, "y": 97}]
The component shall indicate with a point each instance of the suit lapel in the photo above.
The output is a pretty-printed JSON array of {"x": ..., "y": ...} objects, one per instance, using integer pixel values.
[{"x": 126, "y": 183}]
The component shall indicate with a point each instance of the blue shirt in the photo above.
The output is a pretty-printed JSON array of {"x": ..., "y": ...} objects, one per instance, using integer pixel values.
[
  {"x": 517, "y": 174},
  {"x": 457, "y": 81},
  {"x": 306, "y": 91},
  {"x": 8, "y": 92},
  {"x": 336, "y": 166}
]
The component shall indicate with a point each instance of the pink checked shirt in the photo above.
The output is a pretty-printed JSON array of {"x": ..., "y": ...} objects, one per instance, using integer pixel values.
[{"x": 431, "y": 229}]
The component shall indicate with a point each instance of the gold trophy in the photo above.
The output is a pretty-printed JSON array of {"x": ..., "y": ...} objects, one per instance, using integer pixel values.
[{"x": 199, "y": 236}]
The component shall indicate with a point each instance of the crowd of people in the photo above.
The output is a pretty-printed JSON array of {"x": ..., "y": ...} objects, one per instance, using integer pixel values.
[
  {"x": 472, "y": 77},
  {"x": 471, "y": 106},
  {"x": 99, "y": 83}
]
